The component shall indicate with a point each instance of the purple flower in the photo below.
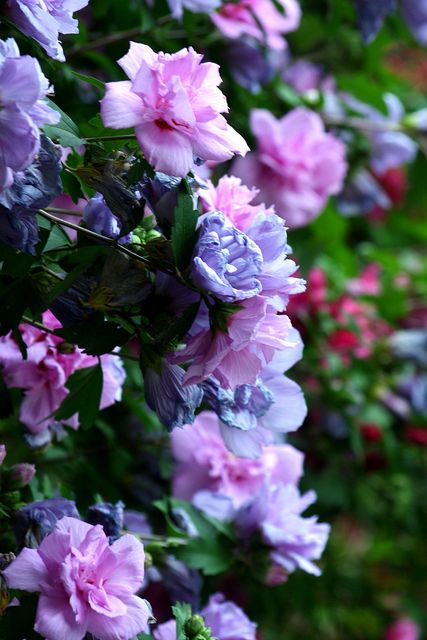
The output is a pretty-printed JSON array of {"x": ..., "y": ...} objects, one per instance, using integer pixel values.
[
  {"x": 226, "y": 263},
  {"x": 226, "y": 620},
  {"x": 110, "y": 516},
  {"x": 205, "y": 466},
  {"x": 32, "y": 189},
  {"x": 294, "y": 541},
  {"x": 37, "y": 519},
  {"x": 44, "y": 20},
  {"x": 165, "y": 393},
  {"x": 249, "y": 65},
  {"x": 3, "y": 453},
  {"x": 415, "y": 14},
  {"x": 389, "y": 149},
  {"x": 21, "y": 474},
  {"x": 268, "y": 231},
  {"x": 99, "y": 218},
  {"x": 22, "y": 88},
  {"x": 305, "y": 76},
  {"x": 85, "y": 584}
]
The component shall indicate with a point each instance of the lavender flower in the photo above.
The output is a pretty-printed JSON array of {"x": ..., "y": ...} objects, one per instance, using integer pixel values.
[
  {"x": 44, "y": 20},
  {"x": 226, "y": 262},
  {"x": 22, "y": 89},
  {"x": 415, "y": 14},
  {"x": 110, "y": 516},
  {"x": 226, "y": 620},
  {"x": 294, "y": 541},
  {"x": 196, "y": 6},
  {"x": 99, "y": 218},
  {"x": 32, "y": 189},
  {"x": 165, "y": 393},
  {"x": 37, "y": 519}
]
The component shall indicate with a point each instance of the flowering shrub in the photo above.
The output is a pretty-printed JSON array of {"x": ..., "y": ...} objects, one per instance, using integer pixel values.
[{"x": 213, "y": 360}]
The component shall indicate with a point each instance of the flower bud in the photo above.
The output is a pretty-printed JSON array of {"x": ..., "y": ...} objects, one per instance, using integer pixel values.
[{"x": 21, "y": 474}]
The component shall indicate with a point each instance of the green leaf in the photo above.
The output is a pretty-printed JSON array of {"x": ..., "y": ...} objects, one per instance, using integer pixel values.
[
  {"x": 95, "y": 335},
  {"x": 85, "y": 386},
  {"x": 65, "y": 132},
  {"x": 184, "y": 230},
  {"x": 90, "y": 80},
  {"x": 209, "y": 555}
]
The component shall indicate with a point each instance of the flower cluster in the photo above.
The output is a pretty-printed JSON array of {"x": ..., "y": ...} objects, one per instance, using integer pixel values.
[
  {"x": 258, "y": 495},
  {"x": 44, "y": 372}
]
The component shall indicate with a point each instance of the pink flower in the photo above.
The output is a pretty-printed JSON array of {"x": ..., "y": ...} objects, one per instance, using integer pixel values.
[
  {"x": 3, "y": 453},
  {"x": 85, "y": 584},
  {"x": 297, "y": 165},
  {"x": 175, "y": 105},
  {"x": 205, "y": 464},
  {"x": 233, "y": 199},
  {"x": 254, "y": 334},
  {"x": 403, "y": 629},
  {"x": 368, "y": 282},
  {"x": 44, "y": 373},
  {"x": 260, "y": 19}
]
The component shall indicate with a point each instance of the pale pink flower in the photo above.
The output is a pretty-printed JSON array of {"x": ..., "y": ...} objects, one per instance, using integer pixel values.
[
  {"x": 174, "y": 104},
  {"x": 233, "y": 199},
  {"x": 44, "y": 373},
  {"x": 296, "y": 166},
  {"x": 205, "y": 464},
  {"x": 85, "y": 584},
  {"x": 254, "y": 334},
  {"x": 259, "y": 19}
]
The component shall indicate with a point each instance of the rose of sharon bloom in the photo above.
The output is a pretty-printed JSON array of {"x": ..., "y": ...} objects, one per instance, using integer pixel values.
[
  {"x": 85, "y": 585},
  {"x": 403, "y": 629},
  {"x": 46, "y": 370},
  {"x": 275, "y": 512},
  {"x": 254, "y": 334},
  {"x": 205, "y": 464},
  {"x": 296, "y": 166},
  {"x": 233, "y": 199},
  {"x": 225, "y": 619},
  {"x": 44, "y": 20},
  {"x": 174, "y": 104},
  {"x": 259, "y": 19},
  {"x": 22, "y": 90},
  {"x": 226, "y": 263}
]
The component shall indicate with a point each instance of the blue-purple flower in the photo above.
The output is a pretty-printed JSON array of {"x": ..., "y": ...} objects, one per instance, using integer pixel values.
[
  {"x": 37, "y": 519},
  {"x": 226, "y": 262},
  {"x": 196, "y": 6},
  {"x": 415, "y": 14},
  {"x": 110, "y": 516},
  {"x": 276, "y": 513},
  {"x": 22, "y": 90},
  {"x": 166, "y": 394},
  {"x": 99, "y": 218},
  {"x": 44, "y": 20}
]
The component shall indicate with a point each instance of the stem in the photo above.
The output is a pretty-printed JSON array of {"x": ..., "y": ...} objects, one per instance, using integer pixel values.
[
  {"x": 361, "y": 124},
  {"x": 105, "y": 41},
  {"x": 92, "y": 234},
  {"x": 36, "y": 324},
  {"x": 66, "y": 212},
  {"x": 127, "y": 136}
]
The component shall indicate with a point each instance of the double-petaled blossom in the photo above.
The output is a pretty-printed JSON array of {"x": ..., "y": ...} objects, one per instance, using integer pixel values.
[
  {"x": 205, "y": 465},
  {"x": 174, "y": 104},
  {"x": 85, "y": 585},
  {"x": 263, "y": 20},
  {"x": 22, "y": 90},
  {"x": 165, "y": 393},
  {"x": 296, "y": 166},
  {"x": 226, "y": 263},
  {"x": 45, "y": 371},
  {"x": 44, "y": 20},
  {"x": 236, "y": 356},
  {"x": 234, "y": 200},
  {"x": 275, "y": 513},
  {"x": 224, "y": 618}
]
